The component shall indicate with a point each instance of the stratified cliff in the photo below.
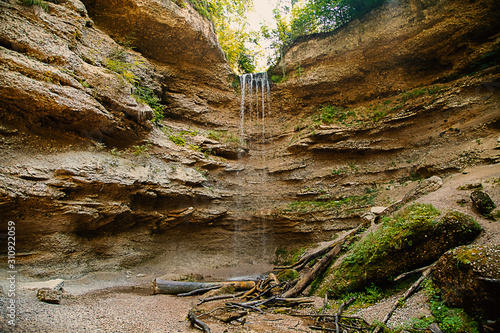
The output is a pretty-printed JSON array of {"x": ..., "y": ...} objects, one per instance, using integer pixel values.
[{"x": 407, "y": 92}]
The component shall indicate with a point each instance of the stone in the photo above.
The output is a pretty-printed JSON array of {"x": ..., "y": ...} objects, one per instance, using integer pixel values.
[
  {"x": 468, "y": 277},
  {"x": 56, "y": 284},
  {"x": 434, "y": 328},
  {"x": 48, "y": 295},
  {"x": 482, "y": 202},
  {"x": 378, "y": 210}
]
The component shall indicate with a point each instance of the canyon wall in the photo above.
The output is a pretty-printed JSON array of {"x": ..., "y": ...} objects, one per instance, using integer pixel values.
[{"x": 407, "y": 92}]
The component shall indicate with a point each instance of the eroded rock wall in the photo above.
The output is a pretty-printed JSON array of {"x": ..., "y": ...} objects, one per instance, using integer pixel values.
[{"x": 400, "y": 46}]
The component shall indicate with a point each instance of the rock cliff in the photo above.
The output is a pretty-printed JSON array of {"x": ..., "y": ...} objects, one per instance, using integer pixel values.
[{"x": 363, "y": 114}]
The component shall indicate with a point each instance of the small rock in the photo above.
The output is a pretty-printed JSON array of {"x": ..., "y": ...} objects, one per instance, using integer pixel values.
[
  {"x": 482, "y": 202},
  {"x": 141, "y": 275},
  {"x": 56, "y": 284},
  {"x": 368, "y": 217},
  {"x": 48, "y": 295},
  {"x": 377, "y": 210},
  {"x": 434, "y": 328}
]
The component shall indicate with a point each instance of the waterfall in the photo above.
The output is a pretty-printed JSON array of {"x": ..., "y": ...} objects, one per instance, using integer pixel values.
[{"x": 260, "y": 98}]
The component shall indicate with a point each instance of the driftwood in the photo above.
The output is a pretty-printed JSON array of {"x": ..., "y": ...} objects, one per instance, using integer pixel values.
[
  {"x": 407, "y": 294},
  {"x": 195, "y": 322},
  {"x": 320, "y": 267},
  {"x": 181, "y": 287}
]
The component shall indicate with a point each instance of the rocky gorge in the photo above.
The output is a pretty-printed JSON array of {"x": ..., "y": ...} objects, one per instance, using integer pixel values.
[{"x": 96, "y": 181}]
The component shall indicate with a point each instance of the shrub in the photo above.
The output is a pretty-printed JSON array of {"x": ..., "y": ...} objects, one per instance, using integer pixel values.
[{"x": 177, "y": 139}]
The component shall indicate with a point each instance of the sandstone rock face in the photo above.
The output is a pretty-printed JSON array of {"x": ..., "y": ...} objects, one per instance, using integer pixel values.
[
  {"x": 55, "y": 76},
  {"x": 468, "y": 277},
  {"x": 184, "y": 46},
  {"x": 93, "y": 185},
  {"x": 400, "y": 46}
]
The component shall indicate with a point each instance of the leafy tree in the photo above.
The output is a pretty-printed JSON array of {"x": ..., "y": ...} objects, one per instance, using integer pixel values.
[{"x": 312, "y": 16}]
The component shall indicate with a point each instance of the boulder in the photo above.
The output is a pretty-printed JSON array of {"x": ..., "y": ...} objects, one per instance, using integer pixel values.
[
  {"x": 412, "y": 239},
  {"x": 469, "y": 278},
  {"x": 482, "y": 202},
  {"x": 48, "y": 295}
]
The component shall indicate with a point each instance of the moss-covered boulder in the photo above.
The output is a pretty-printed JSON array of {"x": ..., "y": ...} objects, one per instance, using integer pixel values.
[
  {"x": 482, "y": 202},
  {"x": 468, "y": 277},
  {"x": 411, "y": 239}
]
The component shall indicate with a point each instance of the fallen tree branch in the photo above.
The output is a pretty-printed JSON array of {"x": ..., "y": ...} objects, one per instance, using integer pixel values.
[
  {"x": 245, "y": 306},
  {"x": 218, "y": 297},
  {"x": 489, "y": 279},
  {"x": 320, "y": 267},
  {"x": 407, "y": 294},
  {"x": 198, "y": 291},
  {"x": 195, "y": 322},
  {"x": 299, "y": 265},
  {"x": 339, "y": 311},
  {"x": 418, "y": 270}
]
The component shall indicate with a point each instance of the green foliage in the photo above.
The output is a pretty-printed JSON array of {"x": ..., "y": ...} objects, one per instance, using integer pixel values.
[
  {"x": 123, "y": 69},
  {"x": 177, "y": 139},
  {"x": 39, "y": 3},
  {"x": 345, "y": 203},
  {"x": 229, "y": 18},
  {"x": 118, "y": 64},
  {"x": 450, "y": 320},
  {"x": 225, "y": 137},
  {"x": 313, "y": 16},
  {"x": 141, "y": 149},
  {"x": 329, "y": 114},
  {"x": 146, "y": 95}
]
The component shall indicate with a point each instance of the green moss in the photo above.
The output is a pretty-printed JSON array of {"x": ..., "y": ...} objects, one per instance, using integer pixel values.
[
  {"x": 408, "y": 240},
  {"x": 288, "y": 275},
  {"x": 344, "y": 203}
]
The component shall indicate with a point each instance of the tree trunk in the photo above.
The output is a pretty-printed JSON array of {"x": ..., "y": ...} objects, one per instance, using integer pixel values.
[{"x": 178, "y": 287}]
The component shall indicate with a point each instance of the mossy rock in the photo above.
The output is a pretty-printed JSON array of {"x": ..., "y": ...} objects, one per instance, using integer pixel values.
[
  {"x": 482, "y": 202},
  {"x": 468, "y": 278},
  {"x": 409, "y": 240}
]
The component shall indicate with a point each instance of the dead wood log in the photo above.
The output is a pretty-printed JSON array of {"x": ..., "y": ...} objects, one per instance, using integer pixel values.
[
  {"x": 198, "y": 291},
  {"x": 418, "y": 270},
  {"x": 320, "y": 267},
  {"x": 407, "y": 294},
  {"x": 195, "y": 322},
  {"x": 244, "y": 306},
  {"x": 178, "y": 287},
  {"x": 218, "y": 297},
  {"x": 299, "y": 265},
  {"x": 339, "y": 311}
]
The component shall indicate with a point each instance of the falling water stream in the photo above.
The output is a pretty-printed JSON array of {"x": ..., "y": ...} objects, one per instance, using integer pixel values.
[
  {"x": 249, "y": 99},
  {"x": 255, "y": 105}
]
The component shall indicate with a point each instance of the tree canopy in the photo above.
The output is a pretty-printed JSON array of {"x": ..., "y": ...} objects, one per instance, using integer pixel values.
[
  {"x": 292, "y": 19},
  {"x": 230, "y": 20},
  {"x": 299, "y": 18}
]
